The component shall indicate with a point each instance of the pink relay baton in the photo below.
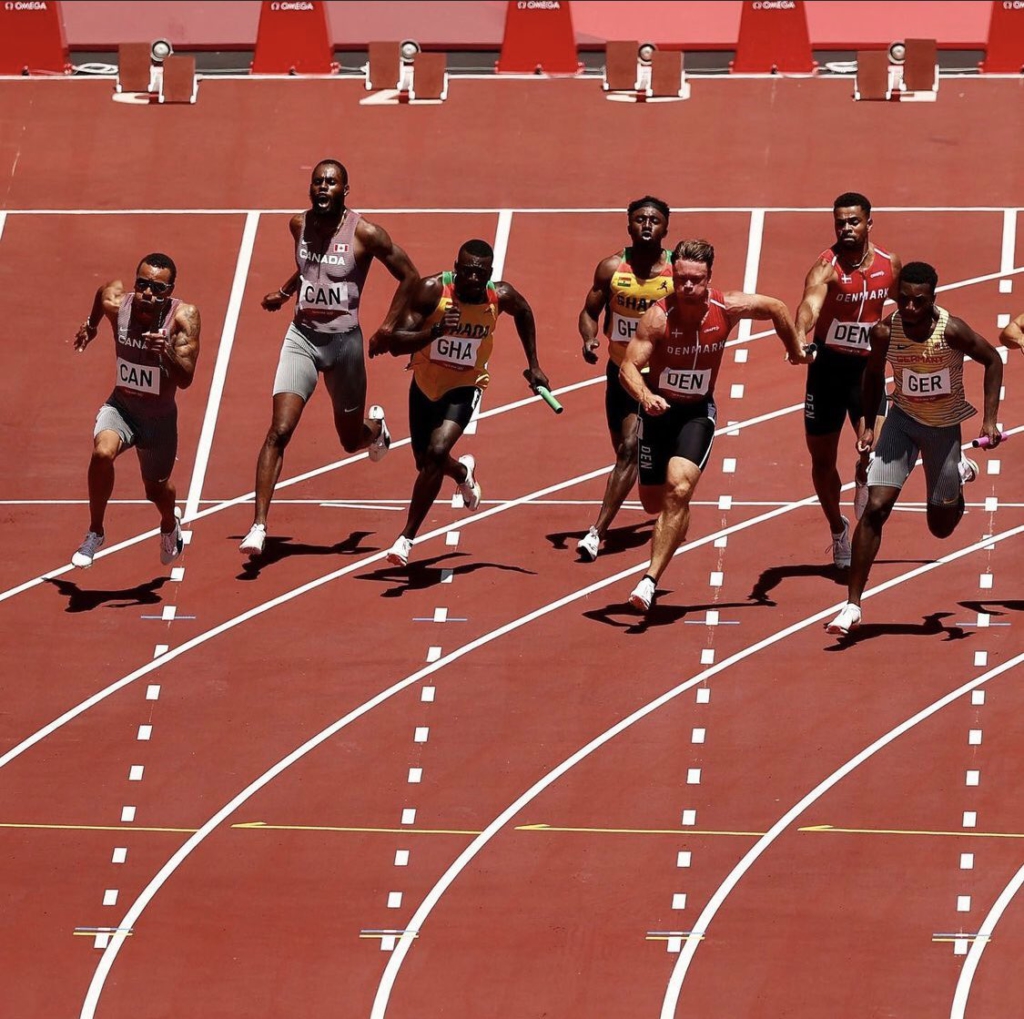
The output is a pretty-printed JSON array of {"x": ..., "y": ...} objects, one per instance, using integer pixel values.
[{"x": 984, "y": 443}]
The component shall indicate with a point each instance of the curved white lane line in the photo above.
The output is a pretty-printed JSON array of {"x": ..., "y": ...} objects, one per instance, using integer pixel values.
[
  {"x": 405, "y": 941},
  {"x": 966, "y": 979}
]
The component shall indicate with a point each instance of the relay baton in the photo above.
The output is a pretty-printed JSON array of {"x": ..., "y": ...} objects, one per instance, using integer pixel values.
[
  {"x": 984, "y": 443},
  {"x": 545, "y": 394}
]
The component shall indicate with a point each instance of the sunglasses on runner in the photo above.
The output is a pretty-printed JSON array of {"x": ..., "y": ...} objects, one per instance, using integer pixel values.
[{"x": 155, "y": 286}]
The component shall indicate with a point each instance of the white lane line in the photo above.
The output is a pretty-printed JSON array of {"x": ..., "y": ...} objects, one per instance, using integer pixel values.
[
  {"x": 750, "y": 273},
  {"x": 423, "y": 911},
  {"x": 220, "y": 370},
  {"x": 702, "y": 923},
  {"x": 501, "y": 242},
  {"x": 1009, "y": 247},
  {"x": 3, "y": 220},
  {"x": 485, "y": 210}
]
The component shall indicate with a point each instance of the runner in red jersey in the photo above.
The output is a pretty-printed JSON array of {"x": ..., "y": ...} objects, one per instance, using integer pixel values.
[
  {"x": 843, "y": 298},
  {"x": 682, "y": 340}
]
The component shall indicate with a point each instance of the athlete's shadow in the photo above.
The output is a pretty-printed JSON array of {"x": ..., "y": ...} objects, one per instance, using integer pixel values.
[
  {"x": 930, "y": 627},
  {"x": 992, "y": 608},
  {"x": 772, "y": 577},
  {"x": 422, "y": 574},
  {"x": 618, "y": 539},
  {"x": 278, "y": 548},
  {"x": 80, "y": 600},
  {"x": 658, "y": 615}
]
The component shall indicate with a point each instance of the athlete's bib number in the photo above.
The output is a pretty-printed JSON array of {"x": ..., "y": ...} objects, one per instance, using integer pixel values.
[
  {"x": 325, "y": 297},
  {"x": 924, "y": 385},
  {"x": 683, "y": 382},
  {"x": 456, "y": 351},
  {"x": 141, "y": 378},
  {"x": 849, "y": 336},
  {"x": 623, "y": 329}
]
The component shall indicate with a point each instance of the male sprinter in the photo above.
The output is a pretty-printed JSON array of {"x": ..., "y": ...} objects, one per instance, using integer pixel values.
[
  {"x": 334, "y": 248},
  {"x": 625, "y": 285},
  {"x": 449, "y": 330},
  {"x": 682, "y": 341},
  {"x": 156, "y": 345},
  {"x": 843, "y": 297},
  {"x": 926, "y": 347}
]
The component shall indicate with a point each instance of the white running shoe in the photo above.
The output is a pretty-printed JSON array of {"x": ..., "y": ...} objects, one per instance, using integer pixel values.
[
  {"x": 470, "y": 488},
  {"x": 91, "y": 544},
  {"x": 642, "y": 596},
  {"x": 847, "y": 620},
  {"x": 379, "y": 447},
  {"x": 589, "y": 545},
  {"x": 398, "y": 554},
  {"x": 968, "y": 470},
  {"x": 253, "y": 542},
  {"x": 172, "y": 543},
  {"x": 842, "y": 551}
]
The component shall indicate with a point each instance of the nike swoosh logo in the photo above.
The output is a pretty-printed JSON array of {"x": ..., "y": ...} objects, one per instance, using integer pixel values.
[{"x": 350, "y": 410}]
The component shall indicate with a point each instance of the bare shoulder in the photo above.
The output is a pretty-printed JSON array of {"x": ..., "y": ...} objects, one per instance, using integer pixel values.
[
  {"x": 821, "y": 274},
  {"x": 187, "y": 318},
  {"x": 295, "y": 224}
]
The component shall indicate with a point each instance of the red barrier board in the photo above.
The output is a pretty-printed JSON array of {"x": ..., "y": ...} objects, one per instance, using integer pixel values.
[
  {"x": 773, "y": 38},
  {"x": 1005, "y": 50},
  {"x": 293, "y": 38},
  {"x": 32, "y": 37},
  {"x": 538, "y": 37}
]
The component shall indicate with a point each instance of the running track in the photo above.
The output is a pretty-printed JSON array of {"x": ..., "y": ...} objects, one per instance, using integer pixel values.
[{"x": 482, "y": 786}]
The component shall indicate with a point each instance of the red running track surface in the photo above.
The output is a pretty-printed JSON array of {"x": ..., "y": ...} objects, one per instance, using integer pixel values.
[{"x": 572, "y": 811}]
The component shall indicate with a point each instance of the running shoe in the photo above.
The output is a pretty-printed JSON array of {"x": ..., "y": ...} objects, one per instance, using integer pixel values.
[
  {"x": 589, "y": 545},
  {"x": 91, "y": 544},
  {"x": 642, "y": 596},
  {"x": 172, "y": 543},
  {"x": 398, "y": 554},
  {"x": 470, "y": 488},
  {"x": 968, "y": 470},
  {"x": 842, "y": 551},
  {"x": 379, "y": 447},
  {"x": 253, "y": 542},
  {"x": 847, "y": 620}
]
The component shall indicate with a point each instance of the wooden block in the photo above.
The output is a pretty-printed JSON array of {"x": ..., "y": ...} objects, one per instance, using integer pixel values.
[
  {"x": 179, "y": 80},
  {"x": 919, "y": 65},
  {"x": 620, "y": 69},
  {"x": 873, "y": 74},
  {"x": 666, "y": 72},
  {"x": 134, "y": 67},
  {"x": 384, "y": 67},
  {"x": 429, "y": 76}
]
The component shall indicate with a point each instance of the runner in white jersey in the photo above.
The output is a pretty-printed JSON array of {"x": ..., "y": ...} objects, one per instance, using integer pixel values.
[
  {"x": 334, "y": 247},
  {"x": 926, "y": 347},
  {"x": 156, "y": 345}
]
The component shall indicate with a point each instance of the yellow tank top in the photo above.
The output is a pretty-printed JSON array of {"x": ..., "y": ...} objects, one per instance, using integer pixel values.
[
  {"x": 458, "y": 358},
  {"x": 928, "y": 375},
  {"x": 629, "y": 298}
]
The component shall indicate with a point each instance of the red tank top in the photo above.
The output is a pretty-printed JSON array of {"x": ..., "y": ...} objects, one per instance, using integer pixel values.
[
  {"x": 854, "y": 303},
  {"x": 330, "y": 281},
  {"x": 685, "y": 364}
]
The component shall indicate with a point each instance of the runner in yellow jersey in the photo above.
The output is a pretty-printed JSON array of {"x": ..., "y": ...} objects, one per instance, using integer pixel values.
[
  {"x": 926, "y": 347},
  {"x": 625, "y": 285},
  {"x": 448, "y": 328}
]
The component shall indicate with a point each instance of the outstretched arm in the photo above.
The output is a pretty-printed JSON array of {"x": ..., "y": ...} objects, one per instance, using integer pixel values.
[
  {"x": 596, "y": 302},
  {"x": 105, "y": 305},
  {"x": 815, "y": 292},
  {"x": 759, "y": 307},
  {"x": 513, "y": 303},
  {"x": 960, "y": 336}
]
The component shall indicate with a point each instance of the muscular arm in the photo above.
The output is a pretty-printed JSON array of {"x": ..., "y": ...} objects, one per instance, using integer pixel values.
[
  {"x": 595, "y": 303},
  {"x": 511, "y": 302},
  {"x": 1013, "y": 334},
  {"x": 815, "y": 292},
  {"x": 105, "y": 305},
  {"x": 759, "y": 307},
  {"x": 649, "y": 333},
  {"x": 376, "y": 241},
  {"x": 411, "y": 333},
  {"x": 897, "y": 268},
  {"x": 277, "y": 298},
  {"x": 181, "y": 350},
  {"x": 960, "y": 336},
  {"x": 872, "y": 382}
]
